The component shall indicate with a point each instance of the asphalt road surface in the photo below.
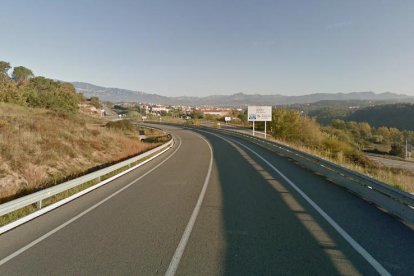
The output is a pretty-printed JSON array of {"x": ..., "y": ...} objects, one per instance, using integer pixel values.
[
  {"x": 393, "y": 163},
  {"x": 215, "y": 205}
]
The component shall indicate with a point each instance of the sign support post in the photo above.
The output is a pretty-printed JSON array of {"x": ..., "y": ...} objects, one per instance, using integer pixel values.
[
  {"x": 253, "y": 128},
  {"x": 265, "y": 129}
]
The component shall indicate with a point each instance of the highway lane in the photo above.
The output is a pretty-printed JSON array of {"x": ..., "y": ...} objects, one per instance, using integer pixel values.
[
  {"x": 135, "y": 232},
  {"x": 268, "y": 227},
  {"x": 250, "y": 222}
]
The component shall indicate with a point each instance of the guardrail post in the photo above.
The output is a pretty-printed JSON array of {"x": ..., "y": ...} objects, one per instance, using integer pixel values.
[{"x": 35, "y": 200}]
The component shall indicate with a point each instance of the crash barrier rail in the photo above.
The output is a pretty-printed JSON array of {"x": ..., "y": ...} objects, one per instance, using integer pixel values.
[
  {"x": 38, "y": 197},
  {"x": 394, "y": 201},
  {"x": 156, "y": 139}
]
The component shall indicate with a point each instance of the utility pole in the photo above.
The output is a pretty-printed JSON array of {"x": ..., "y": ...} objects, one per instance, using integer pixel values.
[{"x": 406, "y": 148}]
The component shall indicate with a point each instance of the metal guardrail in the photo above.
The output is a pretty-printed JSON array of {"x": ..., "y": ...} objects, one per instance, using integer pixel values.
[
  {"x": 37, "y": 197},
  {"x": 150, "y": 127},
  {"x": 394, "y": 201},
  {"x": 155, "y": 138}
]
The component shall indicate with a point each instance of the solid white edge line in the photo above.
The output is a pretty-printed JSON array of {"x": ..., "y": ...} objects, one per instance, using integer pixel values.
[
  {"x": 53, "y": 206},
  {"x": 368, "y": 257},
  {"x": 175, "y": 261},
  {"x": 48, "y": 234}
]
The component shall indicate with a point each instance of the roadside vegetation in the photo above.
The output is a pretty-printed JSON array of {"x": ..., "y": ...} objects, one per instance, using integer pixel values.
[
  {"x": 342, "y": 142},
  {"x": 400, "y": 115},
  {"x": 123, "y": 125},
  {"x": 24, "y": 89},
  {"x": 376, "y": 113},
  {"x": 45, "y": 139},
  {"x": 347, "y": 143},
  {"x": 39, "y": 148}
]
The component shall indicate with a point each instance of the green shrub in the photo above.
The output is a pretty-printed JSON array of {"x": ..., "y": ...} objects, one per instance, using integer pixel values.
[
  {"x": 25, "y": 90},
  {"x": 397, "y": 150},
  {"x": 95, "y": 102},
  {"x": 124, "y": 125},
  {"x": 339, "y": 141}
]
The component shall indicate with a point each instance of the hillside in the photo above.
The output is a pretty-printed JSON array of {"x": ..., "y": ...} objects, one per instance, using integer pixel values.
[
  {"x": 400, "y": 116},
  {"x": 47, "y": 136},
  {"x": 239, "y": 99},
  {"x": 117, "y": 94},
  {"x": 40, "y": 148}
]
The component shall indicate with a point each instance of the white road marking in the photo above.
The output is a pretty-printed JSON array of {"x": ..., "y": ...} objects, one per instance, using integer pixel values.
[
  {"x": 53, "y": 206},
  {"x": 175, "y": 261},
  {"x": 368, "y": 257},
  {"x": 50, "y": 233}
]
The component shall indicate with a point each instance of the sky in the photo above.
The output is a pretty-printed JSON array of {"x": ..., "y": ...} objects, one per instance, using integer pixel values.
[{"x": 199, "y": 48}]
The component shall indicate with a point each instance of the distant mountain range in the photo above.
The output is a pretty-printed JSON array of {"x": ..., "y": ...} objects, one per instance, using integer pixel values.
[{"x": 239, "y": 99}]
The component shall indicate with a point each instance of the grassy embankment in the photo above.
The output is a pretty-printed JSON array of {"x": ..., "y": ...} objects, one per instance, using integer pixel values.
[
  {"x": 398, "y": 178},
  {"x": 341, "y": 143},
  {"x": 40, "y": 148}
]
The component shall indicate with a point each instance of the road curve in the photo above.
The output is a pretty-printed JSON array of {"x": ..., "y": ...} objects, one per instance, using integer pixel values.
[{"x": 249, "y": 221}]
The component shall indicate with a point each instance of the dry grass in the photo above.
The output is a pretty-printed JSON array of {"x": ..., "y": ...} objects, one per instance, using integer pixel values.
[
  {"x": 39, "y": 148},
  {"x": 400, "y": 179},
  {"x": 17, "y": 214}
]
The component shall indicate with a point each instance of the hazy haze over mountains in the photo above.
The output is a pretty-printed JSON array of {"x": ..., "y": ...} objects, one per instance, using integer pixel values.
[{"x": 238, "y": 99}]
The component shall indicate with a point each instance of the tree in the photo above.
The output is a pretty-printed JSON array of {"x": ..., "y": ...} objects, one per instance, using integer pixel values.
[
  {"x": 365, "y": 130},
  {"x": 9, "y": 93},
  {"x": 377, "y": 139},
  {"x": 397, "y": 150},
  {"x": 396, "y": 135},
  {"x": 338, "y": 124},
  {"x": 286, "y": 124},
  {"x": 198, "y": 114},
  {"x": 384, "y": 132},
  {"x": 4, "y": 68},
  {"x": 243, "y": 117},
  {"x": 50, "y": 94},
  {"x": 21, "y": 74}
]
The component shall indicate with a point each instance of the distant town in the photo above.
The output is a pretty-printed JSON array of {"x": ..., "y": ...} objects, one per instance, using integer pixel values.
[{"x": 144, "y": 110}]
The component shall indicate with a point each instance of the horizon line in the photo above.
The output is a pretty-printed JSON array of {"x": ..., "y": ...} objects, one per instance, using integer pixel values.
[{"x": 244, "y": 93}]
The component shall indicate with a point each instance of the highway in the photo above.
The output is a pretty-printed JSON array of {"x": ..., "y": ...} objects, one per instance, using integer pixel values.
[{"x": 214, "y": 204}]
